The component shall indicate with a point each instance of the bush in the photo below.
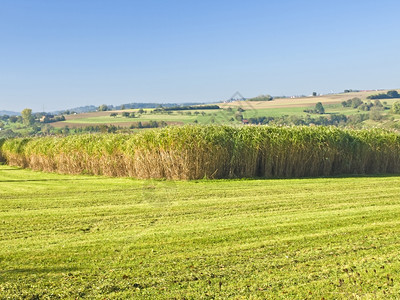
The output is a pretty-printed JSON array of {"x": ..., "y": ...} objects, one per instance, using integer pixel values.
[
  {"x": 319, "y": 108},
  {"x": 388, "y": 95},
  {"x": 396, "y": 107},
  {"x": 261, "y": 98}
]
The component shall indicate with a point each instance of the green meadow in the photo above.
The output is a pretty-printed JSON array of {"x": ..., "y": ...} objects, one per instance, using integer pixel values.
[{"x": 68, "y": 237}]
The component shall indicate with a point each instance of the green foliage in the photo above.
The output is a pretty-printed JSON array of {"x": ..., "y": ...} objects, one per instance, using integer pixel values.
[
  {"x": 27, "y": 117},
  {"x": 376, "y": 114},
  {"x": 90, "y": 237},
  {"x": 378, "y": 103},
  {"x": 13, "y": 119},
  {"x": 396, "y": 107},
  {"x": 261, "y": 98},
  {"x": 388, "y": 95},
  {"x": 393, "y": 94},
  {"x": 319, "y": 108},
  {"x": 103, "y": 107},
  {"x": 354, "y": 102},
  {"x": 187, "y": 107}
]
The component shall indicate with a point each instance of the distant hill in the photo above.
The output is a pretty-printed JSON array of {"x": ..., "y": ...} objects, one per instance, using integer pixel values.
[
  {"x": 10, "y": 113},
  {"x": 79, "y": 110},
  {"x": 92, "y": 108},
  {"x": 152, "y": 105}
]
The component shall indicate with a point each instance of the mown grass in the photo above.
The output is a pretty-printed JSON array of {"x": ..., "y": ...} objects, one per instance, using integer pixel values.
[{"x": 67, "y": 237}]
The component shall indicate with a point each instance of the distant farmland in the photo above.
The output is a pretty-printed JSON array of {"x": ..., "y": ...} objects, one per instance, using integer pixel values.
[{"x": 227, "y": 114}]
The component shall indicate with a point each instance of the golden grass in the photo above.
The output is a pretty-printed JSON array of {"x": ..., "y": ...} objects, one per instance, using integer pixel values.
[{"x": 192, "y": 152}]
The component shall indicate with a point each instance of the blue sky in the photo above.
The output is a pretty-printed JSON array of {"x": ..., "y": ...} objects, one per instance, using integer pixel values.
[{"x": 62, "y": 54}]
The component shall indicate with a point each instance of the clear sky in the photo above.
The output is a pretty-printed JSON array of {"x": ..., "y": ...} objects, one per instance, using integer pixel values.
[{"x": 68, "y": 53}]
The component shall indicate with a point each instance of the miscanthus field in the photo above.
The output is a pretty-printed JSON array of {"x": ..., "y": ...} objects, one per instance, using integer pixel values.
[{"x": 79, "y": 236}]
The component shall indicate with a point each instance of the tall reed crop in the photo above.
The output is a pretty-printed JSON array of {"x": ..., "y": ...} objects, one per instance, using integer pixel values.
[
  {"x": 2, "y": 159},
  {"x": 192, "y": 152}
]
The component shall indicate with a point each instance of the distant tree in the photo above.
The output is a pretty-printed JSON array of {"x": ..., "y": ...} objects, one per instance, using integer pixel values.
[
  {"x": 113, "y": 114},
  {"x": 314, "y": 94},
  {"x": 141, "y": 111},
  {"x": 364, "y": 107},
  {"x": 396, "y": 107},
  {"x": 393, "y": 94},
  {"x": 239, "y": 116},
  {"x": 356, "y": 102},
  {"x": 375, "y": 114},
  {"x": 261, "y": 98},
  {"x": 378, "y": 103},
  {"x": 103, "y": 107},
  {"x": 319, "y": 108},
  {"x": 389, "y": 94},
  {"x": 125, "y": 114},
  {"x": 240, "y": 109},
  {"x": 13, "y": 119},
  {"x": 132, "y": 115},
  {"x": 1, "y": 125},
  {"x": 122, "y": 107},
  {"x": 27, "y": 118}
]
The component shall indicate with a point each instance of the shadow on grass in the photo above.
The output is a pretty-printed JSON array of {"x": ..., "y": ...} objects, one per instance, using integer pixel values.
[
  {"x": 38, "y": 270},
  {"x": 342, "y": 176},
  {"x": 45, "y": 180}
]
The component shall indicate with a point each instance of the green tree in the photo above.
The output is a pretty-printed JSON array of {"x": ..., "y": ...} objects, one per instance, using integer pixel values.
[
  {"x": 27, "y": 117},
  {"x": 375, "y": 114},
  {"x": 356, "y": 102},
  {"x": 13, "y": 119},
  {"x": 319, "y": 108},
  {"x": 378, "y": 103},
  {"x": 396, "y": 107},
  {"x": 113, "y": 114},
  {"x": 141, "y": 111},
  {"x": 393, "y": 94},
  {"x": 103, "y": 107}
]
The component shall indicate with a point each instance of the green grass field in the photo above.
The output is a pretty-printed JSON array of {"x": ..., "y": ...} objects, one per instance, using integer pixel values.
[{"x": 72, "y": 237}]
